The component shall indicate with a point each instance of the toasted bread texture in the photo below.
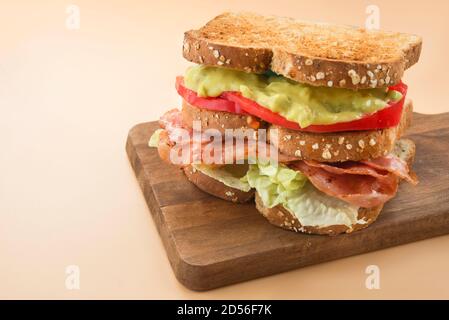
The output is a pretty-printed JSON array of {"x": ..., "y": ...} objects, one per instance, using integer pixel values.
[
  {"x": 342, "y": 146},
  {"x": 215, "y": 187},
  {"x": 219, "y": 120},
  {"x": 319, "y": 54},
  {"x": 279, "y": 216}
]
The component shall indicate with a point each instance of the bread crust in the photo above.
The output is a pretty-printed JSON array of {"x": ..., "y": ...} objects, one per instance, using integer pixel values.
[
  {"x": 342, "y": 146},
  {"x": 215, "y": 187},
  {"x": 200, "y": 50},
  {"x": 283, "y": 218},
  {"x": 218, "y": 120},
  {"x": 352, "y": 58}
]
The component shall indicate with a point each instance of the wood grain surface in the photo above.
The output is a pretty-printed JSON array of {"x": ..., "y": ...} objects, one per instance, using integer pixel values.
[{"x": 211, "y": 242}]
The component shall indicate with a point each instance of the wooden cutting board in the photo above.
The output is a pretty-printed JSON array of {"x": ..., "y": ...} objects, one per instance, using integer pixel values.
[{"x": 211, "y": 242}]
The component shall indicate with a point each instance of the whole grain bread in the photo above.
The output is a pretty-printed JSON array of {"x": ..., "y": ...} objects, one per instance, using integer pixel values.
[
  {"x": 219, "y": 120},
  {"x": 215, "y": 187},
  {"x": 323, "y": 147},
  {"x": 341, "y": 146},
  {"x": 319, "y": 54},
  {"x": 280, "y": 217}
]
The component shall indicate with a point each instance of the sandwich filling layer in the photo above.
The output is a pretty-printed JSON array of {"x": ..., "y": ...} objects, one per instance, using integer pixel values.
[
  {"x": 317, "y": 194},
  {"x": 296, "y": 102},
  {"x": 229, "y": 175},
  {"x": 322, "y": 195},
  {"x": 280, "y": 185}
]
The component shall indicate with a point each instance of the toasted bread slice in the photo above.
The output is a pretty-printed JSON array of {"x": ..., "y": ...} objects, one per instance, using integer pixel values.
[
  {"x": 279, "y": 216},
  {"x": 219, "y": 120},
  {"x": 315, "y": 53},
  {"x": 215, "y": 187},
  {"x": 342, "y": 146}
]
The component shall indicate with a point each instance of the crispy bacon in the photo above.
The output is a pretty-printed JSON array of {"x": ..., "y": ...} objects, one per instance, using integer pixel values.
[
  {"x": 394, "y": 165},
  {"x": 171, "y": 118},
  {"x": 365, "y": 188},
  {"x": 201, "y": 148},
  {"x": 366, "y": 184},
  {"x": 349, "y": 167}
]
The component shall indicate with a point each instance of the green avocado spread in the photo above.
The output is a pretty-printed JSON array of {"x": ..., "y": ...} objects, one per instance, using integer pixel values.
[{"x": 297, "y": 102}]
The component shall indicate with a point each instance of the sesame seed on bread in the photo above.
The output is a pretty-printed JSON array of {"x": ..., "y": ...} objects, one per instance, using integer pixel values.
[
  {"x": 219, "y": 120},
  {"x": 323, "y": 147},
  {"x": 318, "y": 54},
  {"x": 281, "y": 217},
  {"x": 342, "y": 146}
]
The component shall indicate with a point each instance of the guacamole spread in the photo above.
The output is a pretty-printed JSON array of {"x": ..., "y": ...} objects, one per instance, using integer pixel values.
[{"x": 297, "y": 102}]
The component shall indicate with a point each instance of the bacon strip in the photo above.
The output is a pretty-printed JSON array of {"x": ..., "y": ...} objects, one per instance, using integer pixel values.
[
  {"x": 394, "y": 165},
  {"x": 171, "y": 119},
  {"x": 364, "y": 188},
  {"x": 366, "y": 184},
  {"x": 349, "y": 167},
  {"x": 202, "y": 151}
]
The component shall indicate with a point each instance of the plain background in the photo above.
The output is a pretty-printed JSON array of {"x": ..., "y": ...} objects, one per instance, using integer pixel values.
[{"x": 68, "y": 195}]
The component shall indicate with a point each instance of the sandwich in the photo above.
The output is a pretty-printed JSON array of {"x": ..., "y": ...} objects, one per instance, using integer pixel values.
[{"x": 327, "y": 102}]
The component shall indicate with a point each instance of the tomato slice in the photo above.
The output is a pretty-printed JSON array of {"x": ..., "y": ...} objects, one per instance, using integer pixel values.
[
  {"x": 385, "y": 118},
  {"x": 234, "y": 102},
  {"x": 217, "y": 104}
]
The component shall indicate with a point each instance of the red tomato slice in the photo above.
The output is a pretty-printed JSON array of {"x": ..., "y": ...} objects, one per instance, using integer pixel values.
[
  {"x": 385, "y": 118},
  {"x": 217, "y": 104},
  {"x": 234, "y": 102}
]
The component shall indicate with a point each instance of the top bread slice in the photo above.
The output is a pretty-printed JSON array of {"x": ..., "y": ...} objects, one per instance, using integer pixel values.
[{"x": 318, "y": 54}]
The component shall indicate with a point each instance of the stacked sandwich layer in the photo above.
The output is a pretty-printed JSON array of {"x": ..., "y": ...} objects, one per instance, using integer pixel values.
[{"x": 330, "y": 102}]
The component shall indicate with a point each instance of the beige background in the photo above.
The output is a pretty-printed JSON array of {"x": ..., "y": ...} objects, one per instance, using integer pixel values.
[{"x": 67, "y": 193}]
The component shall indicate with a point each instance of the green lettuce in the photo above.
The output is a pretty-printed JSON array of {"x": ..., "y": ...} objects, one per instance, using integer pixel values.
[
  {"x": 228, "y": 175},
  {"x": 280, "y": 185},
  {"x": 154, "y": 140},
  {"x": 275, "y": 184}
]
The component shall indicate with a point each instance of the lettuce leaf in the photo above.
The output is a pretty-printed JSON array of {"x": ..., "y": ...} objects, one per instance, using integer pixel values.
[
  {"x": 274, "y": 183},
  {"x": 229, "y": 175},
  {"x": 280, "y": 185},
  {"x": 154, "y": 140}
]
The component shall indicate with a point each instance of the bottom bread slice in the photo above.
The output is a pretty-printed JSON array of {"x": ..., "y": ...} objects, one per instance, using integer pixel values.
[
  {"x": 281, "y": 217},
  {"x": 215, "y": 187}
]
